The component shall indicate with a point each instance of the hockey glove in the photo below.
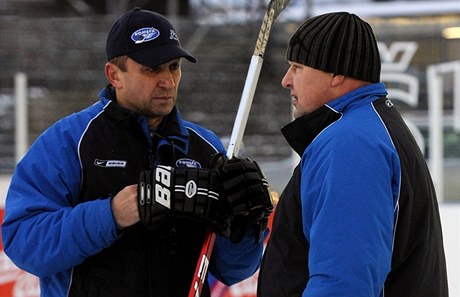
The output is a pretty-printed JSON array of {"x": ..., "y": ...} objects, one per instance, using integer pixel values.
[
  {"x": 247, "y": 195},
  {"x": 187, "y": 192}
]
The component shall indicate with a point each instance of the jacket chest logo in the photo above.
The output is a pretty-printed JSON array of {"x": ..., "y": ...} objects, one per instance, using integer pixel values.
[
  {"x": 110, "y": 163},
  {"x": 185, "y": 162}
]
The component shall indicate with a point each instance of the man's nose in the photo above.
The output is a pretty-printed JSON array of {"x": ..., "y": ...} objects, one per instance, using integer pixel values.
[
  {"x": 286, "y": 81},
  {"x": 166, "y": 79}
]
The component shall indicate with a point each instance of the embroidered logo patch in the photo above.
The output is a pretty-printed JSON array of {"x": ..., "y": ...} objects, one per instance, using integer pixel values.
[
  {"x": 144, "y": 35},
  {"x": 110, "y": 163},
  {"x": 190, "y": 189},
  {"x": 184, "y": 162},
  {"x": 173, "y": 35}
]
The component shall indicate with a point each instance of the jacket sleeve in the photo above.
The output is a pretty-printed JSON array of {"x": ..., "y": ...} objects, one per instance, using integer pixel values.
[
  {"x": 234, "y": 262},
  {"x": 348, "y": 191},
  {"x": 44, "y": 230}
]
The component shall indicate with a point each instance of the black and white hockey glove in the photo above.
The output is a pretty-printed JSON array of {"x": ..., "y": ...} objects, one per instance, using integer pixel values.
[
  {"x": 246, "y": 194},
  {"x": 188, "y": 192}
]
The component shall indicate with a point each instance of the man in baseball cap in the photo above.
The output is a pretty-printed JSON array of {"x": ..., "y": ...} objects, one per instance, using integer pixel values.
[{"x": 119, "y": 213}]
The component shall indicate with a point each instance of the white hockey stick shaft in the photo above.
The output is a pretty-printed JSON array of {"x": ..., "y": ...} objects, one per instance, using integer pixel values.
[
  {"x": 274, "y": 9},
  {"x": 245, "y": 106}
]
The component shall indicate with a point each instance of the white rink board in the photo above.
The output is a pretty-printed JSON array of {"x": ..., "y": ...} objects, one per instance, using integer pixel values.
[
  {"x": 450, "y": 219},
  {"x": 4, "y": 184}
]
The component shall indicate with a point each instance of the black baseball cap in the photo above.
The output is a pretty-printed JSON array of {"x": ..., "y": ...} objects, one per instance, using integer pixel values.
[{"x": 146, "y": 37}]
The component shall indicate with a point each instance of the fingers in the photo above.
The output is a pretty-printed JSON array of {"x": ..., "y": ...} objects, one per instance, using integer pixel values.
[{"x": 124, "y": 207}]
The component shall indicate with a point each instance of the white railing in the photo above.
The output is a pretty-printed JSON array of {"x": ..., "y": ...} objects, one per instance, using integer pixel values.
[
  {"x": 21, "y": 115},
  {"x": 436, "y": 114}
]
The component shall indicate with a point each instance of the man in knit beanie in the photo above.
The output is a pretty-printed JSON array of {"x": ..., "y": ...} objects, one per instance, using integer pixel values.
[{"x": 359, "y": 217}]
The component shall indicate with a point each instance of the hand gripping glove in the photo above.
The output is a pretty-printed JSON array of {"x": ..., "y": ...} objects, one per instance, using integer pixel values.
[
  {"x": 247, "y": 195},
  {"x": 188, "y": 192}
]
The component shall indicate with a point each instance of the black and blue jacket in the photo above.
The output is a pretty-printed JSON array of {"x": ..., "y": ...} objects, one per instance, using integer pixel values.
[
  {"x": 359, "y": 217},
  {"x": 58, "y": 221}
]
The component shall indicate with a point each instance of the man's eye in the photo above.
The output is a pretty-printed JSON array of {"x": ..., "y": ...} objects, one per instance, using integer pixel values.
[
  {"x": 297, "y": 67},
  {"x": 174, "y": 66},
  {"x": 152, "y": 69}
]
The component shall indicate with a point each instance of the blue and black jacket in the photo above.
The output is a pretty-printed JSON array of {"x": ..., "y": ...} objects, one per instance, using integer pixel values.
[
  {"x": 359, "y": 217},
  {"x": 58, "y": 221}
]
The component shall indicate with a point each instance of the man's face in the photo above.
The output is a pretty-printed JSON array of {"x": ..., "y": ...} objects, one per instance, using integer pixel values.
[
  {"x": 151, "y": 91},
  {"x": 310, "y": 88}
]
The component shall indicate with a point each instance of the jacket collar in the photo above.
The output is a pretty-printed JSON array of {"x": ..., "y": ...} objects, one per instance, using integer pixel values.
[
  {"x": 358, "y": 96},
  {"x": 171, "y": 127},
  {"x": 303, "y": 130}
]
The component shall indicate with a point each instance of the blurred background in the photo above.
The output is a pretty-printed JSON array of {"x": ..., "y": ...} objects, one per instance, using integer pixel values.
[{"x": 52, "y": 54}]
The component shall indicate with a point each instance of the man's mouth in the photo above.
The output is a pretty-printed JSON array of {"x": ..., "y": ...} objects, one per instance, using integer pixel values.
[{"x": 164, "y": 97}]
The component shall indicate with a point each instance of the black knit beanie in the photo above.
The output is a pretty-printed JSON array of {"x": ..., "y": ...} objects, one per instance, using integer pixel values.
[{"x": 339, "y": 43}]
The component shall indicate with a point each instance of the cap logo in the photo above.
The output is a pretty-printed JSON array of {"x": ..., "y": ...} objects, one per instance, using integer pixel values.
[
  {"x": 173, "y": 35},
  {"x": 145, "y": 34}
]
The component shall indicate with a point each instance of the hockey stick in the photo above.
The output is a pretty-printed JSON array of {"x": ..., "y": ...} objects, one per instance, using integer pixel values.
[{"x": 274, "y": 9}]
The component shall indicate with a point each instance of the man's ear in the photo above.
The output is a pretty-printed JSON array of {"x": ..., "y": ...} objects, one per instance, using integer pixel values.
[
  {"x": 112, "y": 72},
  {"x": 337, "y": 79}
]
